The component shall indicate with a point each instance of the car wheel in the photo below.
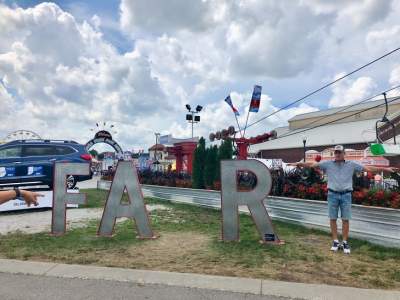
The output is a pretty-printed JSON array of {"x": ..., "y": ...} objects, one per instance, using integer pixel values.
[{"x": 71, "y": 182}]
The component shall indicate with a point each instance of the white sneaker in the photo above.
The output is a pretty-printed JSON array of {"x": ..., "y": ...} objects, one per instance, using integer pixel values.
[
  {"x": 335, "y": 246},
  {"x": 346, "y": 248}
]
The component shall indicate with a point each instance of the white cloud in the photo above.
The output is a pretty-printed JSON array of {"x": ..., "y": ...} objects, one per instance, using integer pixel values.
[
  {"x": 395, "y": 76},
  {"x": 7, "y": 102},
  {"x": 67, "y": 77},
  {"x": 219, "y": 115},
  {"x": 165, "y": 16},
  {"x": 394, "y": 80},
  {"x": 252, "y": 37},
  {"x": 383, "y": 40},
  {"x": 348, "y": 91},
  {"x": 64, "y": 76}
]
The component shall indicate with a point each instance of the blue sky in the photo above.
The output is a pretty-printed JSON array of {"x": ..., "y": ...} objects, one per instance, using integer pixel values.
[{"x": 66, "y": 65}]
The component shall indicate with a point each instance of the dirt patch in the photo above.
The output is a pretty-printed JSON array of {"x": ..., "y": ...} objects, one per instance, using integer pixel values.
[{"x": 171, "y": 251}]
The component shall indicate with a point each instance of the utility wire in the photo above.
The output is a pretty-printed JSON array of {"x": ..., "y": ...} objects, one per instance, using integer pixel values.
[
  {"x": 325, "y": 86},
  {"x": 355, "y": 104},
  {"x": 339, "y": 119}
]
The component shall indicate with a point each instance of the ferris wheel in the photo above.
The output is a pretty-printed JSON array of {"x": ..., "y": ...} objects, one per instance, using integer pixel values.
[{"x": 21, "y": 135}]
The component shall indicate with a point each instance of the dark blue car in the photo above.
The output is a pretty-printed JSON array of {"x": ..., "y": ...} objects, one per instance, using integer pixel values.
[{"x": 31, "y": 162}]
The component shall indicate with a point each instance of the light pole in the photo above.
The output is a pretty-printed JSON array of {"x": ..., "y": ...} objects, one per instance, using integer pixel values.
[
  {"x": 155, "y": 150},
  {"x": 191, "y": 116},
  {"x": 304, "y": 147}
]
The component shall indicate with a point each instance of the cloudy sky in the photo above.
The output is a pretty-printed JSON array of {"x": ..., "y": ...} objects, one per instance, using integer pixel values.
[{"x": 66, "y": 65}]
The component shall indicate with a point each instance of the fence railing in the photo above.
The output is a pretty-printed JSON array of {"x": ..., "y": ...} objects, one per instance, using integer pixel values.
[{"x": 374, "y": 224}]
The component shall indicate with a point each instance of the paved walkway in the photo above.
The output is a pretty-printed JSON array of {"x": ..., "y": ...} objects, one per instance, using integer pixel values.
[
  {"x": 88, "y": 184},
  {"x": 175, "y": 285},
  {"x": 29, "y": 287}
]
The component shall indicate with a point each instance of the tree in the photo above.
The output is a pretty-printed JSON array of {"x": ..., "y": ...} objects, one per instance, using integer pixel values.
[
  {"x": 211, "y": 166},
  {"x": 225, "y": 151},
  {"x": 198, "y": 165},
  {"x": 100, "y": 156},
  {"x": 93, "y": 153}
]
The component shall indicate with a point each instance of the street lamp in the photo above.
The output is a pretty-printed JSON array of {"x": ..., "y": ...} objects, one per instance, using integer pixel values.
[
  {"x": 191, "y": 118},
  {"x": 304, "y": 147},
  {"x": 155, "y": 150}
]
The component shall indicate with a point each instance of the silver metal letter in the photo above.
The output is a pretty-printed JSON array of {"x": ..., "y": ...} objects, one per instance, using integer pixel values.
[
  {"x": 125, "y": 178},
  {"x": 231, "y": 198},
  {"x": 60, "y": 196}
]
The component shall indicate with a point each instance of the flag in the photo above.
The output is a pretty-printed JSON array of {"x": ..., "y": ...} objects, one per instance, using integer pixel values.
[
  {"x": 255, "y": 99},
  {"x": 229, "y": 101}
]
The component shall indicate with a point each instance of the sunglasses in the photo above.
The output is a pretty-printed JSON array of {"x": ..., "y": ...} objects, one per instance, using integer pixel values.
[{"x": 338, "y": 152}]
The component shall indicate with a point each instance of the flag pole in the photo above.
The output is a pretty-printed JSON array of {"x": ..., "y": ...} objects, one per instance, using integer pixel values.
[
  {"x": 237, "y": 121},
  {"x": 247, "y": 119}
]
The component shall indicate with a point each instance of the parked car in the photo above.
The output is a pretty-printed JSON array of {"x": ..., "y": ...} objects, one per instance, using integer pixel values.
[{"x": 31, "y": 162}]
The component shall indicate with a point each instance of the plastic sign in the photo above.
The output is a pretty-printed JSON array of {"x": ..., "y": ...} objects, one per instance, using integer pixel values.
[
  {"x": 385, "y": 149},
  {"x": 7, "y": 171},
  {"x": 126, "y": 179},
  {"x": 103, "y": 134}
]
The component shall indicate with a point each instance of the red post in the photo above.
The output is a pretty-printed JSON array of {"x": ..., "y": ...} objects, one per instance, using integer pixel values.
[
  {"x": 244, "y": 143},
  {"x": 242, "y": 146},
  {"x": 183, "y": 150}
]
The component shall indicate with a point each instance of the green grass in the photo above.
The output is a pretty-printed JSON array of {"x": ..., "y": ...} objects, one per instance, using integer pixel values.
[{"x": 190, "y": 242}]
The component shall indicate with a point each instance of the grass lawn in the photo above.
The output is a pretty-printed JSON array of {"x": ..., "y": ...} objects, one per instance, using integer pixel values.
[{"x": 190, "y": 242}]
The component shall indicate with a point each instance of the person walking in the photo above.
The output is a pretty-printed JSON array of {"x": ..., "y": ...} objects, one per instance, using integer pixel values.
[{"x": 340, "y": 187}]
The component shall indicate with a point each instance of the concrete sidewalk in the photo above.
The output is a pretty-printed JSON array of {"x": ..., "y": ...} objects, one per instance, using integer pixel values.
[{"x": 208, "y": 282}]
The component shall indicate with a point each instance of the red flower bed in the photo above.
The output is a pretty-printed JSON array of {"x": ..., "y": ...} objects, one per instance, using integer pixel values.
[
  {"x": 373, "y": 197},
  {"x": 315, "y": 191}
]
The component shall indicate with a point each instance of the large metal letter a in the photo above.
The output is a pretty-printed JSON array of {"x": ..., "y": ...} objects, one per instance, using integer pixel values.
[
  {"x": 125, "y": 177},
  {"x": 231, "y": 198}
]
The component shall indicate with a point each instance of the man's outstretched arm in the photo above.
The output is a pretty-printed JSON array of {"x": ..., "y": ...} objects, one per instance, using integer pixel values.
[
  {"x": 373, "y": 169},
  {"x": 305, "y": 165},
  {"x": 29, "y": 197}
]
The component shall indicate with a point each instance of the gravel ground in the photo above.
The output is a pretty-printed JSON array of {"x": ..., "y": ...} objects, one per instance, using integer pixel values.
[{"x": 40, "y": 221}]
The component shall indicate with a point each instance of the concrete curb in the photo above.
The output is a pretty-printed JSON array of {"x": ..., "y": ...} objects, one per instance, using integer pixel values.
[{"x": 221, "y": 283}]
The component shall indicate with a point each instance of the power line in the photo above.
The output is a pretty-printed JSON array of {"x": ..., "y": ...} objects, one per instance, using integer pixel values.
[
  {"x": 339, "y": 119},
  {"x": 355, "y": 104},
  {"x": 325, "y": 86}
]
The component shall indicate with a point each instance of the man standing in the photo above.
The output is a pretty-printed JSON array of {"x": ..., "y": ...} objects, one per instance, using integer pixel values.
[{"x": 340, "y": 186}]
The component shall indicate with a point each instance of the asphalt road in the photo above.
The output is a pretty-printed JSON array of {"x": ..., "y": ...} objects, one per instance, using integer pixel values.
[{"x": 29, "y": 287}]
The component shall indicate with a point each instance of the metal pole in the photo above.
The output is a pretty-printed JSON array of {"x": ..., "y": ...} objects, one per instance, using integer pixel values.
[
  {"x": 155, "y": 151},
  {"x": 247, "y": 119},
  {"x": 237, "y": 121},
  {"x": 304, "y": 149},
  {"x": 155, "y": 154},
  {"x": 192, "y": 121}
]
